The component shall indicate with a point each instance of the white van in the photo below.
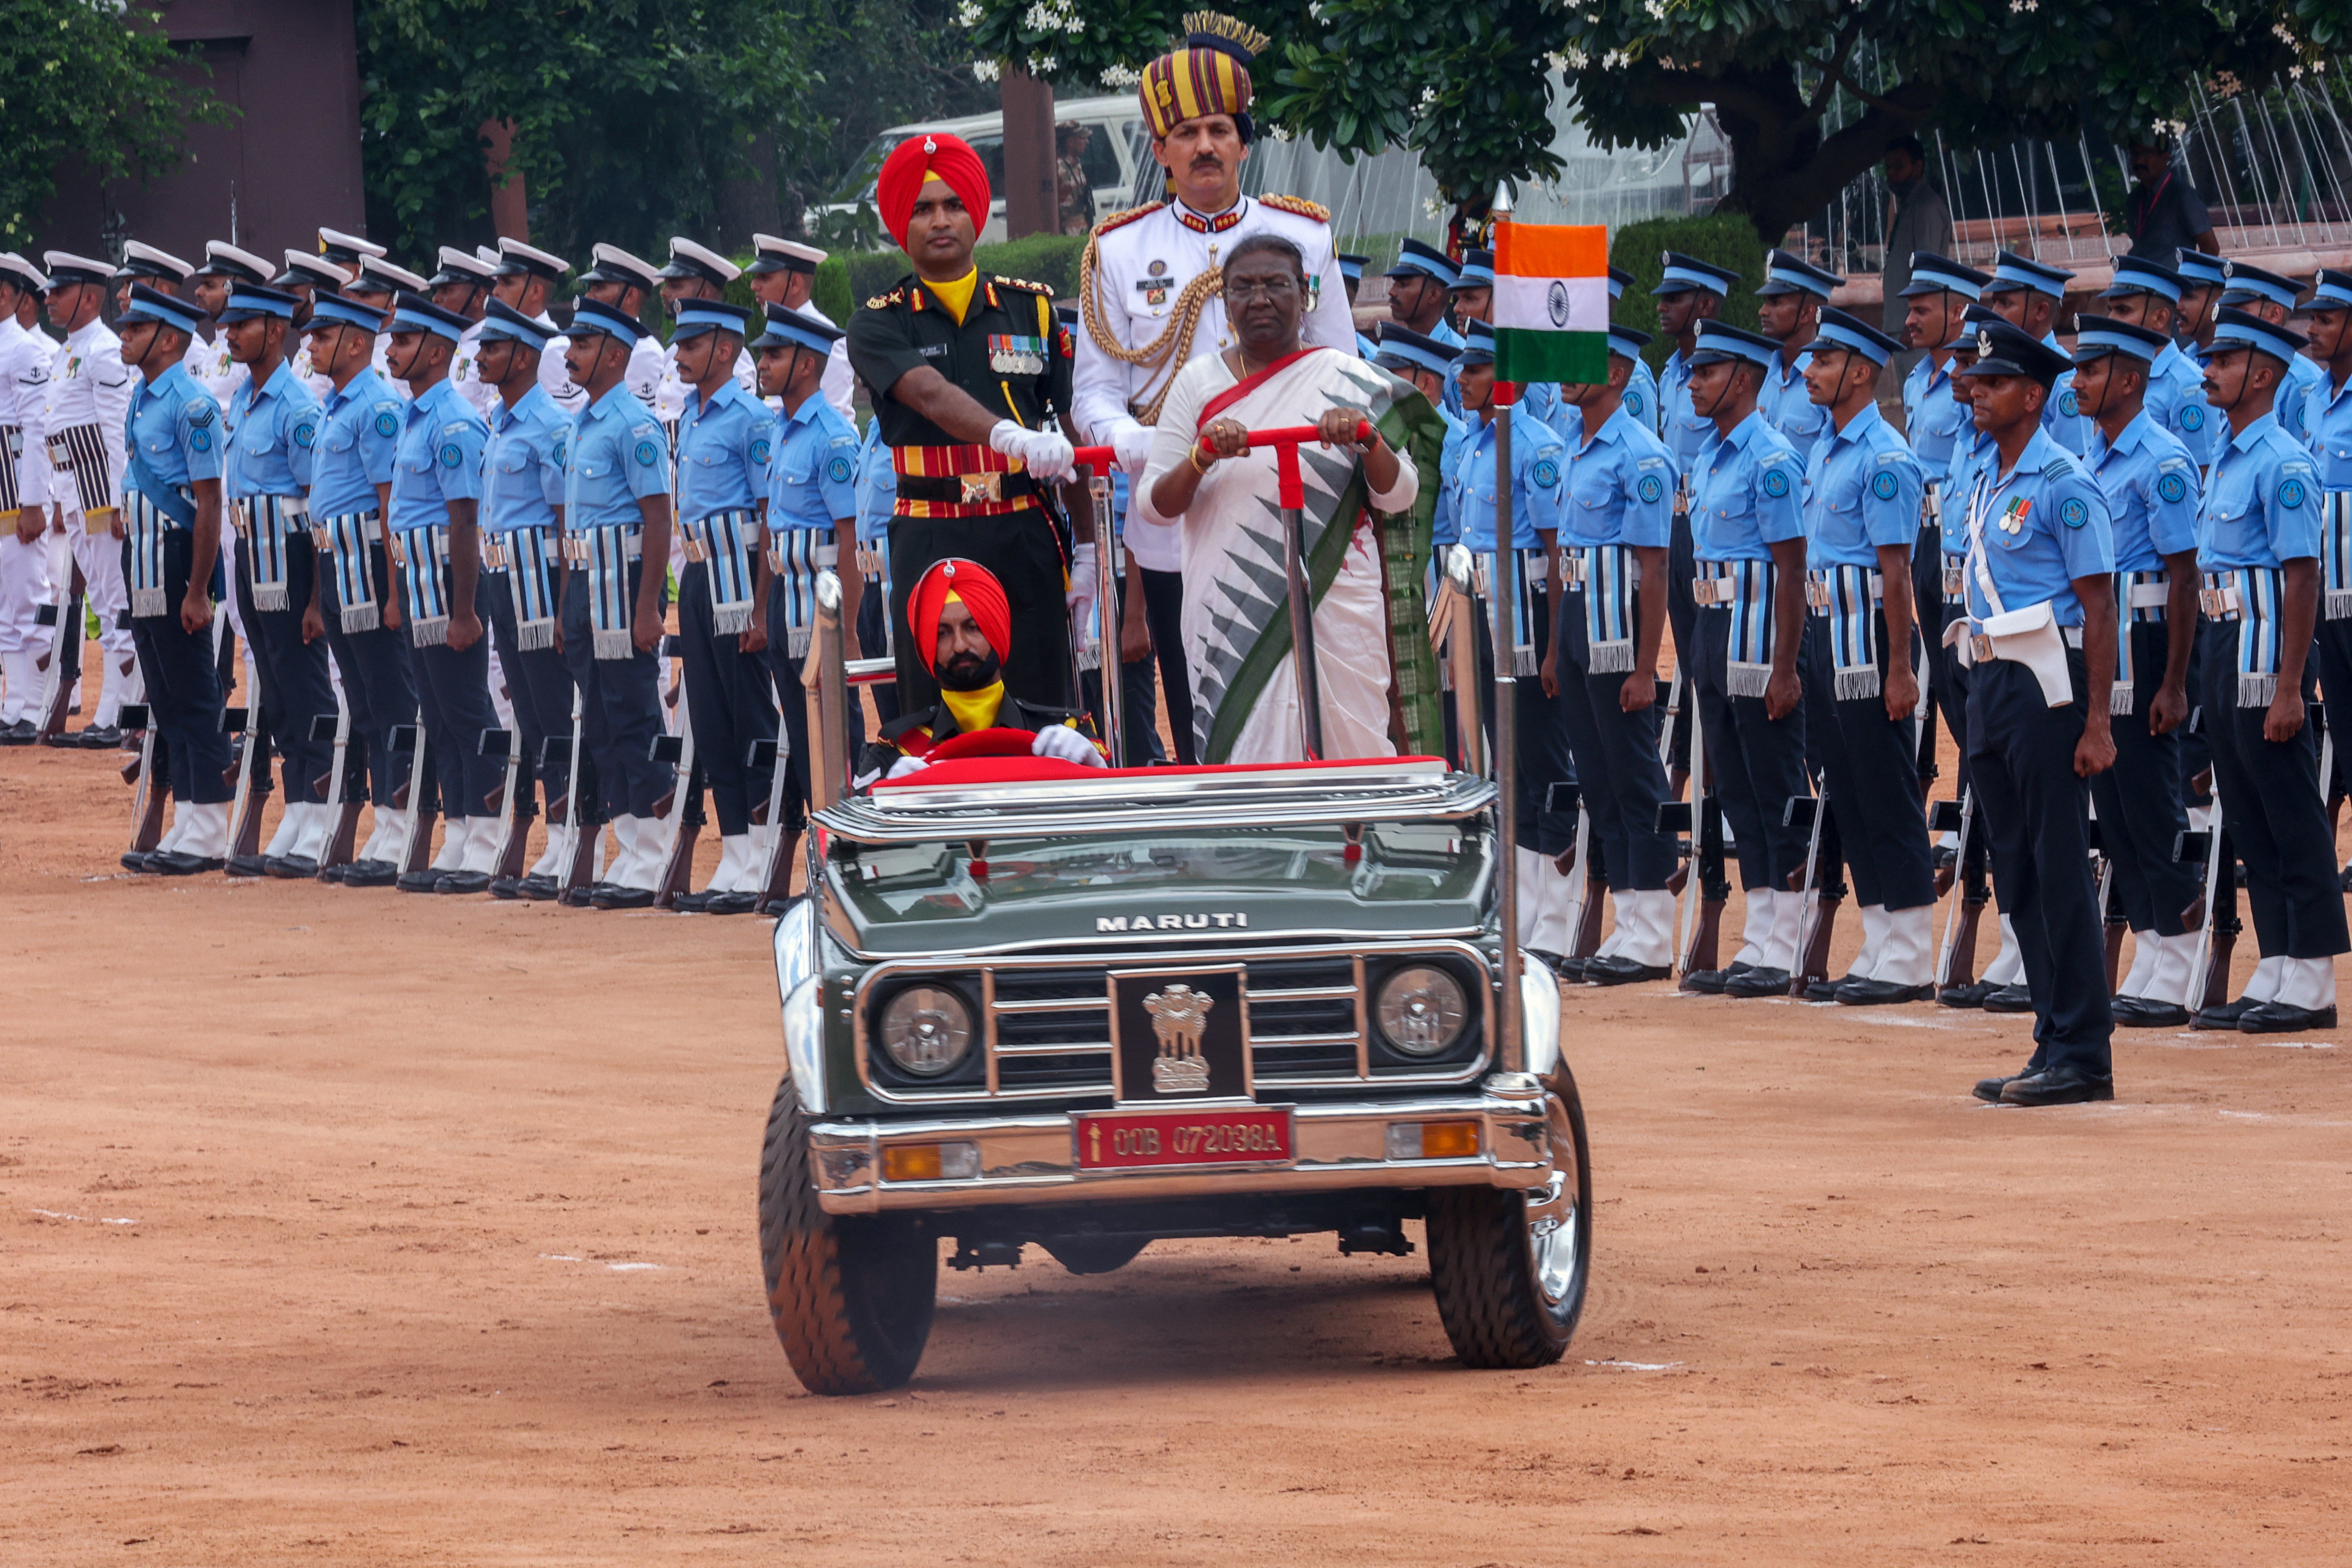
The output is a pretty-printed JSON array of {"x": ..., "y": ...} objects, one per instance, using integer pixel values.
[{"x": 1117, "y": 157}]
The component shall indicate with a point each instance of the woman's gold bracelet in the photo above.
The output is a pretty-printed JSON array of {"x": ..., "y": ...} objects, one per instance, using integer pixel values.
[{"x": 1198, "y": 467}]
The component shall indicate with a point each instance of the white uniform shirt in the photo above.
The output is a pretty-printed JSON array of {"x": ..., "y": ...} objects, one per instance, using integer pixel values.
[
  {"x": 89, "y": 384},
  {"x": 465, "y": 371},
  {"x": 25, "y": 404},
  {"x": 1144, "y": 265},
  {"x": 555, "y": 376},
  {"x": 215, "y": 370}
]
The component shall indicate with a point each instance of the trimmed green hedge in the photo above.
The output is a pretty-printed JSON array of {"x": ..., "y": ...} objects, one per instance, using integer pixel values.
[{"x": 1726, "y": 239}]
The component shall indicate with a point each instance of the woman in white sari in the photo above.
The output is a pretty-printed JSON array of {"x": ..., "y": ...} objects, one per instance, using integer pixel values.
[{"x": 1203, "y": 477}]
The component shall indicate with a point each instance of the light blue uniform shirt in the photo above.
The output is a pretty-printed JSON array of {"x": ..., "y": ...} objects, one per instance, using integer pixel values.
[
  {"x": 2304, "y": 378},
  {"x": 813, "y": 477},
  {"x": 2062, "y": 414},
  {"x": 1641, "y": 396},
  {"x": 1620, "y": 486},
  {"x": 1932, "y": 415},
  {"x": 1862, "y": 490},
  {"x": 1969, "y": 450},
  {"x": 1446, "y": 527},
  {"x": 724, "y": 444},
  {"x": 359, "y": 431},
  {"x": 439, "y": 459},
  {"x": 2176, "y": 397},
  {"x": 2262, "y": 501},
  {"x": 522, "y": 463},
  {"x": 877, "y": 488},
  {"x": 1683, "y": 432},
  {"x": 273, "y": 433},
  {"x": 2150, "y": 483},
  {"x": 175, "y": 426},
  {"x": 2330, "y": 421},
  {"x": 1789, "y": 408},
  {"x": 1539, "y": 480},
  {"x": 619, "y": 457},
  {"x": 1744, "y": 493},
  {"x": 2045, "y": 523}
]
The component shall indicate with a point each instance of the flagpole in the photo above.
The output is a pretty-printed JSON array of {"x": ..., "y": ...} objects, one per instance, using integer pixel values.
[{"x": 1502, "y": 605}]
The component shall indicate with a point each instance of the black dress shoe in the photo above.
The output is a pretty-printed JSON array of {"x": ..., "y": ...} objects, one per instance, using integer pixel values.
[
  {"x": 136, "y": 860},
  {"x": 1859, "y": 993},
  {"x": 2224, "y": 1017},
  {"x": 729, "y": 903},
  {"x": 581, "y": 896},
  {"x": 612, "y": 896},
  {"x": 423, "y": 881},
  {"x": 1569, "y": 968},
  {"x": 1711, "y": 981},
  {"x": 463, "y": 882},
  {"x": 247, "y": 866},
  {"x": 2008, "y": 999},
  {"x": 20, "y": 733},
  {"x": 370, "y": 874},
  {"x": 689, "y": 903},
  {"x": 180, "y": 863},
  {"x": 506, "y": 888},
  {"x": 2146, "y": 1012},
  {"x": 2050, "y": 1087},
  {"x": 2345, "y": 881},
  {"x": 1972, "y": 994},
  {"x": 1826, "y": 990},
  {"x": 1757, "y": 981},
  {"x": 290, "y": 867},
  {"x": 1553, "y": 959},
  {"x": 63, "y": 740},
  {"x": 102, "y": 738},
  {"x": 1619, "y": 970},
  {"x": 540, "y": 888},
  {"x": 1988, "y": 1088},
  {"x": 2279, "y": 1018}
]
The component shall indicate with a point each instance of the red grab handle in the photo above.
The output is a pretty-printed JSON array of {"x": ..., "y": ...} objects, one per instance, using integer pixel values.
[{"x": 1285, "y": 441}]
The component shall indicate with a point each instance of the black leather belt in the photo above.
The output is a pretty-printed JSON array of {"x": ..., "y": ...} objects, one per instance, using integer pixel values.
[{"x": 953, "y": 488}]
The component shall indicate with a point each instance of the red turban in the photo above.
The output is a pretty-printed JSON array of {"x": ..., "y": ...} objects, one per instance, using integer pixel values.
[
  {"x": 981, "y": 593},
  {"x": 934, "y": 154}
]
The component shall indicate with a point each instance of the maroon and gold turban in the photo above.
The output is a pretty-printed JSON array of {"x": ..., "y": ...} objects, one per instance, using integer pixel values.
[{"x": 1210, "y": 75}]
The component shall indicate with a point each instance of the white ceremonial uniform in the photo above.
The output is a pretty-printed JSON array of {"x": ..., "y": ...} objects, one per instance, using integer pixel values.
[
  {"x": 25, "y": 575},
  {"x": 214, "y": 369},
  {"x": 839, "y": 387},
  {"x": 465, "y": 371},
  {"x": 555, "y": 376},
  {"x": 1144, "y": 261},
  {"x": 90, "y": 385}
]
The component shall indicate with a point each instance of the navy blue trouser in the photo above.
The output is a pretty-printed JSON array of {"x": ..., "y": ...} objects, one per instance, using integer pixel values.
[
  {"x": 2276, "y": 816},
  {"x": 2334, "y": 641},
  {"x": 2032, "y": 803},
  {"x": 727, "y": 700},
  {"x": 453, "y": 698},
  {"x": 2141, "y": 801},
  {"x": 1873, "y": 762},
  {"x": 1754, "y": 763},
  {"x": 620, "y": 700},
  {"x": 377, "y": 685},
  {"x": 1164, "y": 612},
  {"x": 539, "y": 688},
  {"x": 184, "y": 688},
  {"x": 291, "y": 673},
  {"x": 873, "y": 618},
  {"x": 791, "y": 705},
  {"x": 1615, "y": 755},
  {"x": 1139, "y": 697}
]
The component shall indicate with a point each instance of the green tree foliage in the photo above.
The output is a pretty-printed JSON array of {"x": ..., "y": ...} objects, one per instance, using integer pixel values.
[
  {"x": 628, "y": 114},
  {"x": 1725, "y": 238},
  {"x": 86, "y": 79},
  {"x": 885, "y": 63}
]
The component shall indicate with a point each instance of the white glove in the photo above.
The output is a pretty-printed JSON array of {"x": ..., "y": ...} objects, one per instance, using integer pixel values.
[
  {"x": 1132, "y": 444},
  {"x": 1082, "y": 580},
  {"x": 1045, "y": 453},
  {"x": 906, "y": 765},
  {"x": 1061, "y": 741}
]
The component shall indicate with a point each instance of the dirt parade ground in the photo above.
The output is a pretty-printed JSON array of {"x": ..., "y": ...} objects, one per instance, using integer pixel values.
[{"x": 357, "y": 1227}]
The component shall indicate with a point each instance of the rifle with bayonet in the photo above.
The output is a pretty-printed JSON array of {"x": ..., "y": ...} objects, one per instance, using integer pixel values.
[{"x": 1956, "y": 963}]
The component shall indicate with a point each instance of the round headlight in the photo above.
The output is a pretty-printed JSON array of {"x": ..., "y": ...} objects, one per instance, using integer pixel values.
[
  {"x": 926, "y": 1029},
  {"x": 1422, "y": 1010}
]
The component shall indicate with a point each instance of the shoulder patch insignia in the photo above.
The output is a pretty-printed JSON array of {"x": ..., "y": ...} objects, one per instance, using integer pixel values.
[
  {"x": 998, "y": 277},
  {"x": 1775, "y": 481},
  {"x": 1120, "y": 220},
  {"x": 2192, "y": 417},
  {"x": 2069, "y": 406},
  {"x": 2073, "y": 512},
  {"x": 562, "y": 446},
  {"x": 201, "y": 440},
  {"x": 451, "y": 454},
  {"x": 1547, "y": 472},
  {"x": 2290, "y": 492},
  {"x": 387, "y": 423},
  {"x": 759, "y": 450},
  {"x": 2172, "y": 489},
  {"x": 1884, "y": 485},
  {"x": 647, "y": 452},
  {"x": 1298, "y": 204},
  {"x": 305, "y": 432},
  {"x": 840, "y": 471},
  {"x": 1634, "y": 402},
  {"x": 1650, "y": 488}
]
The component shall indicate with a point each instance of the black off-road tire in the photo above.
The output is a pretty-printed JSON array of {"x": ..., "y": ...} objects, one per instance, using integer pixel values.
[
  {"x": 851, "y": 1295},
  {"x": 1095, "y": 1254},
  {"x": 1483, "y": 1254}
]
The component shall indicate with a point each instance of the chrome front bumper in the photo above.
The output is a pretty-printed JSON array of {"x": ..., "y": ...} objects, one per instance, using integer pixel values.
[{"x": 1033, "y": 1159}]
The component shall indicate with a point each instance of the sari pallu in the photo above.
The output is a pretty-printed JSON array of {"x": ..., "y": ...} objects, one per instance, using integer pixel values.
[{"x": 1364, "y": 572}]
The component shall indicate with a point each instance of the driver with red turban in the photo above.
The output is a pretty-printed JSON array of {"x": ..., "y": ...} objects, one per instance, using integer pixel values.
[
  {"x": 969, "y": 375},
  {"x": 964, "y": 635}
]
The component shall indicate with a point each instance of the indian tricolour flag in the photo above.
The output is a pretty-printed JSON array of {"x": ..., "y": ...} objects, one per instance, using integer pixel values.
[{"x": 1551, "y": 302}]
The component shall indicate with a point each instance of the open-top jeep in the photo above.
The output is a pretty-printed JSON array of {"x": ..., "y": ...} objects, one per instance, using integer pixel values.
[{"x": 1027, "y": 1003}]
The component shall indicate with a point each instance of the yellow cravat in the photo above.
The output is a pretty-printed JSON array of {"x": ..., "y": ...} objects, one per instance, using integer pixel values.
[
  {"x": 957, "y": 296},
  {"x": 975, "y": 710}
]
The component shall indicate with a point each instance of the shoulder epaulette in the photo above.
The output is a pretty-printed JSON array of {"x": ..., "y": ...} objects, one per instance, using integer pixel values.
[
  {"x": 1298, "y": 204},
  {"x": 1120, "y": 220},
  {"x": 1045, "y": 288},
  {"x": 884, "y": 301},
  {"x": 907, "y": 722}
]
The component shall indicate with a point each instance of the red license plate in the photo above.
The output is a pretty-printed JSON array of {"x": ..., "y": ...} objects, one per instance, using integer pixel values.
[{"x": 1147, "y": 1140}]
